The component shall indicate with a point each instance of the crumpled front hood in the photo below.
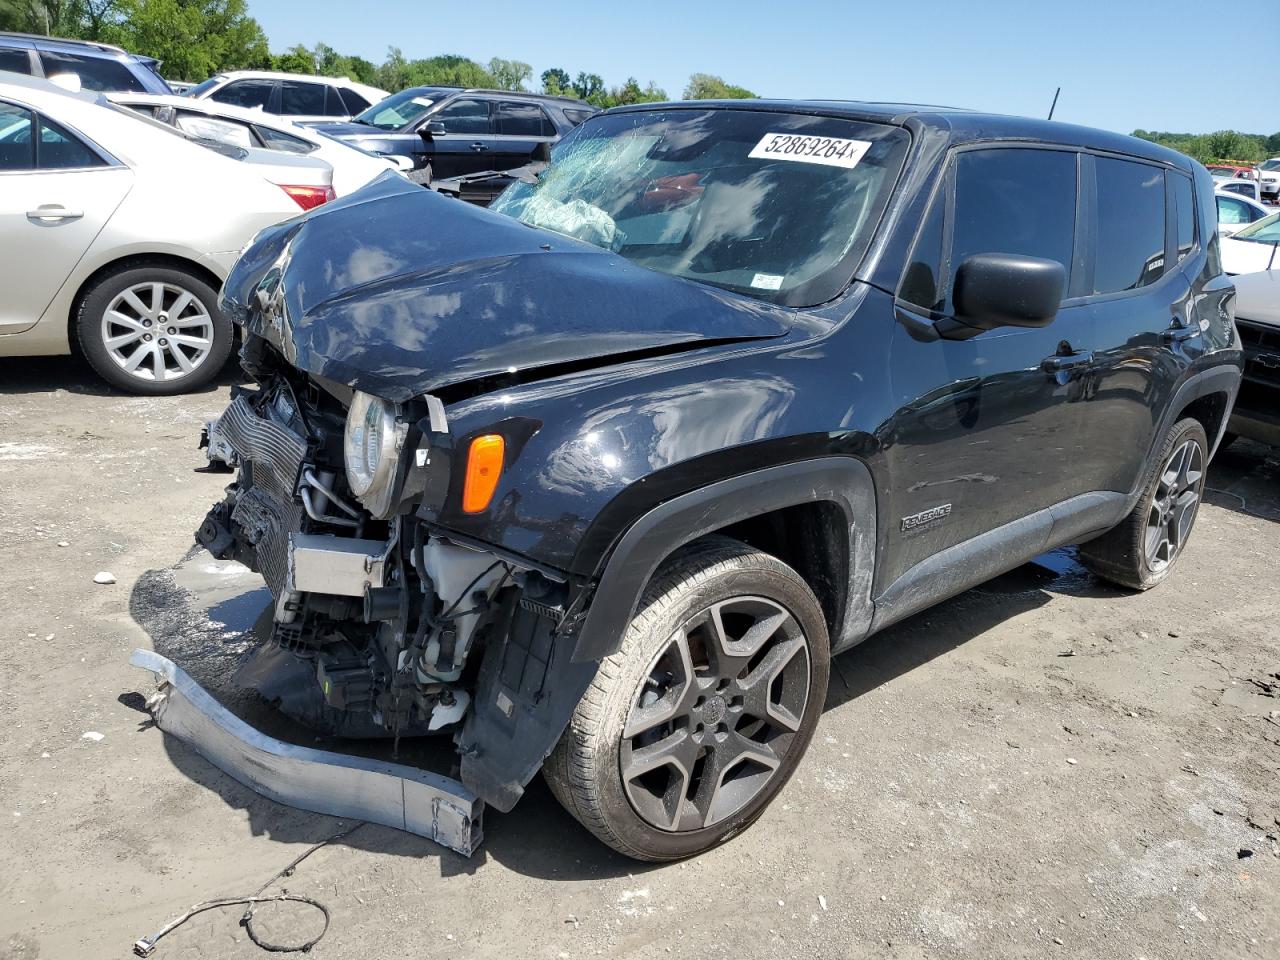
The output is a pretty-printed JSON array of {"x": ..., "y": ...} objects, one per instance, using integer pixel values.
[{"x": 398, "y": 291}]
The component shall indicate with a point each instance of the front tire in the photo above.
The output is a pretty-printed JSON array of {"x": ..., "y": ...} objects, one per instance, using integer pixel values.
[
  {"x": 693, "y": 726},
  {"x": 1141, "y": 551},
  {"x": 153, "y": 330}
]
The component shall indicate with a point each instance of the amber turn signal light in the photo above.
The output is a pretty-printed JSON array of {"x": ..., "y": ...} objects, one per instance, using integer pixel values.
[{"x": 484, "y": 467}]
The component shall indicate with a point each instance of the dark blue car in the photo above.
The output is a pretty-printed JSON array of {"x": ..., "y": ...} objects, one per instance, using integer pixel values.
[
  {"x": 450, "y": 131},
  {"x": 99, "y": 66}
]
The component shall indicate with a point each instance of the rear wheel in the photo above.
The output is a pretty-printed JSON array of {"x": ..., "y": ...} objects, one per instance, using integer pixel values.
[
  {"x": 694, "y": 725},
  {"x": 1140, "y": 551},
  {"x": 153, "y": 330}
]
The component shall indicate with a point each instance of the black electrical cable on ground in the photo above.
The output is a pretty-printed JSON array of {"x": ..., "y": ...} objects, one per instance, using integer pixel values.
[{"x": 146, "y": 945}]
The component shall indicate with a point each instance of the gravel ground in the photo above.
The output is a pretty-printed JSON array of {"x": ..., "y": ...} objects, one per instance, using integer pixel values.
[{"x": 1042, "y": 767}]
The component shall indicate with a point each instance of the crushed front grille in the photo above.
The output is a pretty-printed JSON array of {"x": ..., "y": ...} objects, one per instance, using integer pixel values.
[{"x": 1261, "y": 353}]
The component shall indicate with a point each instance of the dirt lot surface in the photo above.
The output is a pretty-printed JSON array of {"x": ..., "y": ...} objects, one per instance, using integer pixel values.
[{"x": 1042, "y": 767}]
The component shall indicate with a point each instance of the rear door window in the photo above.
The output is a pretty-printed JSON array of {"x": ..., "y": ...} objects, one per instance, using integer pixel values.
[
  {"x": 15, "y": 60},
  {"x": 465, "y": 116},
  {"x": 300, "y": 98},
  {"x": 95, "y": 73},
  {"x": 1129, "y": 247},
  {"x": 1020, "y": 201},
  {"x": 246, "y": 93},
  {"x": 523, "y": 120}
]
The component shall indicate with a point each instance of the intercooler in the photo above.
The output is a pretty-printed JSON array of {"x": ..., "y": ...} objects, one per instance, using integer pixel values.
[{"x": 271, "y": 456}]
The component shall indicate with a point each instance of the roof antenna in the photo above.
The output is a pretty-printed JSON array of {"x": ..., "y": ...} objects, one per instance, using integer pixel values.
[{"x": 1053, "y": 106}]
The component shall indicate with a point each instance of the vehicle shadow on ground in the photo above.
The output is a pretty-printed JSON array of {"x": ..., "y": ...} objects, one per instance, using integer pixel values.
[
  {"x": 73, "y": 374},
  {"x": 1245, "y": 478},
  {"x": 538, "y": 838}
]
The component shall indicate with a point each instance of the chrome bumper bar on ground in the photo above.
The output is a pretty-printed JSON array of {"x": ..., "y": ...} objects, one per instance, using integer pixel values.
[{"x": 336, "y": 784}]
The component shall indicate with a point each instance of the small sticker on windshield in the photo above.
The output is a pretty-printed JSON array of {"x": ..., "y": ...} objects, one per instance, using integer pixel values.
[
  {"x": 828, "y": 151},
  {"x": 422, "y": 101},
  {"x": 767, "y": 281}
]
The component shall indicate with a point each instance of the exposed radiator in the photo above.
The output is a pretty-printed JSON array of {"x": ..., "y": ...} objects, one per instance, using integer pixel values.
[{"x": 271, "y": 457}]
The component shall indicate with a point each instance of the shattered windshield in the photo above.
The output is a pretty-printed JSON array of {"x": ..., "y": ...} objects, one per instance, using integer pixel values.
[{"x": 775, "y": 205}]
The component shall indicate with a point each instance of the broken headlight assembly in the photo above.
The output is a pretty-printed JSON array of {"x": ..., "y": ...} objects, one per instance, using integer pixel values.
[{"x": 371, "y": 447}]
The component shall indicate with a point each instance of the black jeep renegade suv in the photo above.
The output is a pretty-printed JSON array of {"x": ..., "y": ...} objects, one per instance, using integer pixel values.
[{"x": 601, "y": 478}]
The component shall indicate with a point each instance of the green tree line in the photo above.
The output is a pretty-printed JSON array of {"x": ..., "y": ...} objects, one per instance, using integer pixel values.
[
  {"x": 1222, "y": 146},
  {"x": 197, "y": 38}
]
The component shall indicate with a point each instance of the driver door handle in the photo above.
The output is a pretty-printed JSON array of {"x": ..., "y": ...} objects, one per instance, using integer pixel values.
[
  {"x": 479, "y": 147},
  {"x": 53, "y": 212},
  {"x": 1064, "y": 367},
  {"x": 1069, "y": 361}
]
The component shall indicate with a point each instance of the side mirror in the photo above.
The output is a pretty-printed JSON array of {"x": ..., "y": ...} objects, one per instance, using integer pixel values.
[
  {"x": 542, "y": 152},
  {"x": 434, "y": 128},
  {"x": 67, "y": 81},
  {"x": 1007, "y": 290}
]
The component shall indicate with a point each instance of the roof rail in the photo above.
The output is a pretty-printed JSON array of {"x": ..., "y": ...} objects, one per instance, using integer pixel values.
[
  {"x": 522, "y": 93},
  {"x": 93, "y": 44}
]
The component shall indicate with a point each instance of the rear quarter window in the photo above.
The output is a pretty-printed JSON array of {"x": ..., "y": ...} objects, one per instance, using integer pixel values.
[
  {"x": 352, "y": 101},
  {"x": 1185, "y": 211},
  {"x": 95, "y": 73}
]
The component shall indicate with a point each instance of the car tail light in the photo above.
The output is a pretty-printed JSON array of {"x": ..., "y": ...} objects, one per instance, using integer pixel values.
[
  {"x": 308, "y": 198},
  {"x": 484, "y": 467}
]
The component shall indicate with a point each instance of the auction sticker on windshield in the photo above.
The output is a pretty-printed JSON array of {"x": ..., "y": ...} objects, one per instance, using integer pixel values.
[{"x": 829, "y": 151}]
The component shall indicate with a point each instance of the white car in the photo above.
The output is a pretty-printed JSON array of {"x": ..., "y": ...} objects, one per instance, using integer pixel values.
[
  {"x": 1257, "y": 409},
  {"x": 291, "y": 95},
  {"x": 1236, "y": 211},
  {"x": 1253, "y": 248},
  {"x": 237, "y": 126},
  {"x": 116, "y": 232},
  {"x": 1239, "y": 186},
  {"x": 1269, "y": 178}
]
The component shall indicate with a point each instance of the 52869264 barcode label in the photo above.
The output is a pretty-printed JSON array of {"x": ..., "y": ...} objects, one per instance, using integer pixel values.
[{"x": 828, "y": 151}]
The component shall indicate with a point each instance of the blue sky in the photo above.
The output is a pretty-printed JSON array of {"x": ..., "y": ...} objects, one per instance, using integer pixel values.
[{"x": 1121, "y": 64}]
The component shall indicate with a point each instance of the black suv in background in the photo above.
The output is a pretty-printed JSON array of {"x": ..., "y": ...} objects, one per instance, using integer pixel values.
[
  {"x": 449, "y": 131},
  {"x": 99, "y": 66},
  {"x": 604, "y": 475}
]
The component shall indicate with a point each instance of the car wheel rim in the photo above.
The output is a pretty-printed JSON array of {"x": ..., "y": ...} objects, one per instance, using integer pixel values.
[
  {"x": 719, "y": 710},
  {"x": 157, "y": 331},
  {"x": 1173, "y": 509}
]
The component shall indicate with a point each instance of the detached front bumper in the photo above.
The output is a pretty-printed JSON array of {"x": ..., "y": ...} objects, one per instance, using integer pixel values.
[{"x": 391, "y": 794}]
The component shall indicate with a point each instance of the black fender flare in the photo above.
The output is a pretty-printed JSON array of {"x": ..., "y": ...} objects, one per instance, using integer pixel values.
[
  {"x": 1220, "y": 378},
  {"x": 653, "y": 537}
]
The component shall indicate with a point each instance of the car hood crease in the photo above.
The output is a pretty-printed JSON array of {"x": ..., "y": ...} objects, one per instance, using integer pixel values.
[{"x": 398, "y": 291}]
